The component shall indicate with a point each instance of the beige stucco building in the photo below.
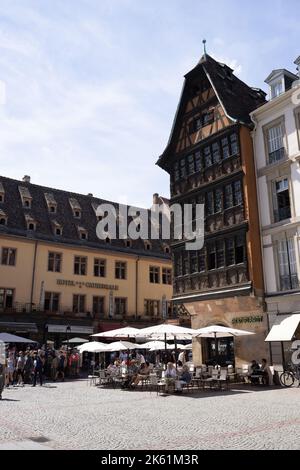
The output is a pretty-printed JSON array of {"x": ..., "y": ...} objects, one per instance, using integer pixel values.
[{"x": 55, "y": 282}]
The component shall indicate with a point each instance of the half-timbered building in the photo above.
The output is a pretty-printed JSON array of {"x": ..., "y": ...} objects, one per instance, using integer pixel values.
[{"x": 209, "y": 157}]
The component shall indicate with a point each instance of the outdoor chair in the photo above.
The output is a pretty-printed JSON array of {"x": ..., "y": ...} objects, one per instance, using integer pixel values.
[
  {"x": 197, "y": 378},
  {"x": 103, "y": 378},
  {"x": 210, "y": 380},
  {"x": 92, "y": 380},
  {"x": 223, "y": 379}
]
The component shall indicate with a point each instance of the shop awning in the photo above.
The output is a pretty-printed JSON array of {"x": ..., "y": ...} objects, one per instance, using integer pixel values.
[
  {"x": 86, "y": 330},
  {"x": 18, "y": 327},
  {"x": 285, "y": 328}
]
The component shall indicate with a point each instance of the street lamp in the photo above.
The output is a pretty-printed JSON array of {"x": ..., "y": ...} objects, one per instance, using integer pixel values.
[{"x": 68, "y": 331}]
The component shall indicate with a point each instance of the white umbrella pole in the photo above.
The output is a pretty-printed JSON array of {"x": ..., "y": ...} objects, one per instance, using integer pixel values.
[
  {"x": 175, "y": 342},
  {"x": 216, "y": 349}
]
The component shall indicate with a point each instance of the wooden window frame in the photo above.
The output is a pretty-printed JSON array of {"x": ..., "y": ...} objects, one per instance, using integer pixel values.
[
  {"x": 15, "y": 256},
  {"x": 60, "y": 262},
  {"x": 80, "y": 263}
]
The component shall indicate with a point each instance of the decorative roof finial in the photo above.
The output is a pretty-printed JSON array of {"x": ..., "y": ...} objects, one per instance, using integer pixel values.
[{"x": 204, "y": 45}]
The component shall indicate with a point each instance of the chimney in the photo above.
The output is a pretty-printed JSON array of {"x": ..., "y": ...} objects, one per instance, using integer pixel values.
[
  {"x": 90, "y": 194},
  {"x": 26, "y": 179},
  {"x": 155, "y": 198}
]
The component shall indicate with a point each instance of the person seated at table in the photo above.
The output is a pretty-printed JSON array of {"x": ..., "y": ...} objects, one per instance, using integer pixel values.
[
  {"x": 142, "y": 374},
  {"x": 170, "y": 375},
  {"x": 112, "y": 369},
  {"x": 179, "y": 367},
  {"x": 184, "y": 378},
  {"x": 267, "y": 376},
  {"x": 254, "y": 371},
  {"x": 117, "y": 362}
]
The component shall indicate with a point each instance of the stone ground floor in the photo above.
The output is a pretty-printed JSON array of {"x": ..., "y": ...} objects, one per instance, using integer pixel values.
[{"x": 74, "y": 415}]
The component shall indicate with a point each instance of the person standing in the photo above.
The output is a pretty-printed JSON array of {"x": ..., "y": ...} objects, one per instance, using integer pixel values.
[
  {"x": 10, "y": 369},
  {"x": 182, "y": 357},
  {"x": 61, "y": 367},
  {"x": 20, "y": 369},
  {"x": 28, "y": 367},
  {"x": 38, "y": 365},
  {"x": 54, "y": 366}
]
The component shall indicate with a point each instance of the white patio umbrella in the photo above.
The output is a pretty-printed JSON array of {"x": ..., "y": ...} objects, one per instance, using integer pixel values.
[
  {"x": 121, "y": 346},
  {"x": 76, "y": 341},
  {"x": 167, "y": 331},
  {"x": 9, "y": 338},
  {"x": 93, "y": 347},
  {"x": 217, "y": 331},
  {"x": 127, "y": 332},
  {"x": 155, "y": 345}
]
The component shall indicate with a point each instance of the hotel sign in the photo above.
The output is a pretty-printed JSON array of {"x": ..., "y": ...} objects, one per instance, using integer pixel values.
[
  {"x": 89, "y": 285},
  {"x": 250, "y": 319}
]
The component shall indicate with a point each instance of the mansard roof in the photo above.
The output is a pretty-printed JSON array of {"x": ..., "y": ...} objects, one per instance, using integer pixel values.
[
  {"x": 18, "y": 217},
  {"x": 236, "y": 97}
]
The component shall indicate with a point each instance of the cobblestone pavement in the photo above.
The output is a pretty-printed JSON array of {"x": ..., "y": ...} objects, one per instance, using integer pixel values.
[{"x": 73, "y": 415}]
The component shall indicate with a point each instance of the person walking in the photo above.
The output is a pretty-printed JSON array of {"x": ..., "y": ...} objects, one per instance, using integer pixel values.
[
  {"x": 10, "y": 369},
  {"x": 38, "y": 364},
  {"x": 20, "y": 369}
]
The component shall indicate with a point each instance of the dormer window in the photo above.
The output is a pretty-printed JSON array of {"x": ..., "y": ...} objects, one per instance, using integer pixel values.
[
  {"x": 3, "y": 218},
  {"x": 148, "y": 245},
  {"x": 30, "y": 222},
  {"x": 128, "y": 243},
  {"x": 25, "y": 196},
  {"x": 276, "y": 89},
  {"x": 83, "y": 233},
  {"x": 280, "y": 81},
  {"x": 167, "y": 250},
  {"x": 107, "y": 240},
  {"x": 57, "y": 228},
  {"x": 51, "y": 203},
  {"x": 76, "y": 208}
]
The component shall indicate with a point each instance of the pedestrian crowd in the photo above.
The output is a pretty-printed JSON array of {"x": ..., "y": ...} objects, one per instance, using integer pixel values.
[{"x": 31, "y": 366}]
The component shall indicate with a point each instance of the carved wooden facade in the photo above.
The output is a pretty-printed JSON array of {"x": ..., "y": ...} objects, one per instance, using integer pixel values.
[{"x": 206, "y": 159}]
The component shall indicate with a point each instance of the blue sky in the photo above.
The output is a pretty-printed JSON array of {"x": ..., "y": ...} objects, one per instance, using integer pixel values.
[{"x": 89, "y": 88}]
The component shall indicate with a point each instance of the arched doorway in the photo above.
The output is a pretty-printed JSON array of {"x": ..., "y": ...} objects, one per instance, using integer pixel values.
[{"x": 218, "y": 351}]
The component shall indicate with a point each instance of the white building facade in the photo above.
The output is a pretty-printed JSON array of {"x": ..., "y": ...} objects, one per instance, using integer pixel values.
[{"x": 277, "y": 153}]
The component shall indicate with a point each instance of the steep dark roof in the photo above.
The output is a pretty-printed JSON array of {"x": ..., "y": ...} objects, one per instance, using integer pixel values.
[
  {"x": 237, "y": 98},
  {"x": 17, "y": 217}
]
